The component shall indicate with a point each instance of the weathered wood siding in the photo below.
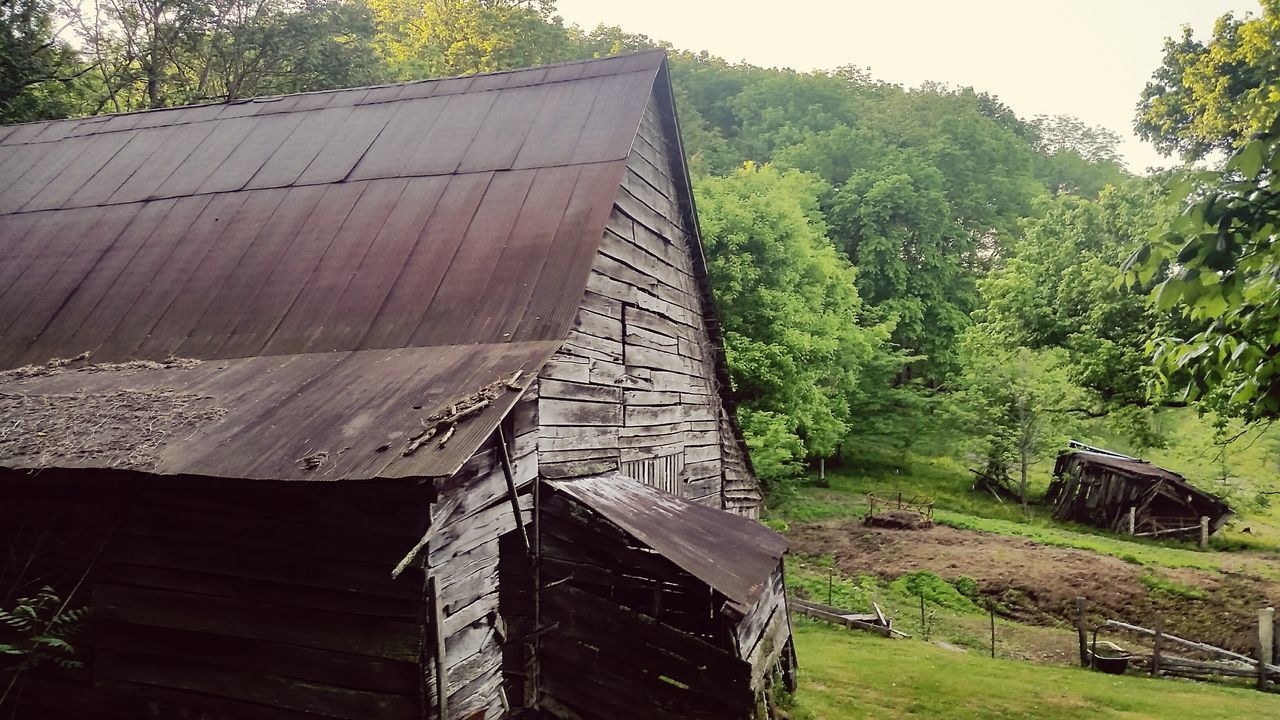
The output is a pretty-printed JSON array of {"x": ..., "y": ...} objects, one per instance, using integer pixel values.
[
  {"x": 232, "y": 598},
  {"x": 465, "y": 556},
  {"x": 635, "y": 385},
  {"x": 627, "y": 633},
  {"x": 259, "y": 599}
]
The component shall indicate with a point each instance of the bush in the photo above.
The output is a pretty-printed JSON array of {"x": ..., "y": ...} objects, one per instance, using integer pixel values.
[{"x": 933, "y": 589}]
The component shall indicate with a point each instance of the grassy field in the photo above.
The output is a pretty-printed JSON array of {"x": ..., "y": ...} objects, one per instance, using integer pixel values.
[
  {"x": 847, "y": 676},
  {"x": 1244, "y": 473}
]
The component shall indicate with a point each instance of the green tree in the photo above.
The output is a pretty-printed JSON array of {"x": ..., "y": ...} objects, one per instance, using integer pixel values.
[
  {"x": 433, "y": 38},
  {"x": 159, "y": 53},
  {"x": 39, "y": 72},
  {"x": 1214, "y": 95},
  {"x": 1056, "y": 289},
  {"x": 1222, "y": 255},
  {"x": 1016, "y": 402},
  {"x": 896, "y": 225},
  {"x": 792, "y": 318}
]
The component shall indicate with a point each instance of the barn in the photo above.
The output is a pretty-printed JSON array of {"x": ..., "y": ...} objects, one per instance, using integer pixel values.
[
  {"x": 394, "y": 402},
  {"x": 1128, "y": 495}
]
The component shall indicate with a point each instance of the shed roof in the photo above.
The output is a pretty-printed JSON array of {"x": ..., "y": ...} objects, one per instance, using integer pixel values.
[
  {"x": 733, "y": 554},
  {"x": 343, "y": 262},
  {"x": 1144, "y": 471}
]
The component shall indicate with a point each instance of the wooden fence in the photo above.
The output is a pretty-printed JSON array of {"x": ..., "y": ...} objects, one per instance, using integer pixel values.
[{"x": 1222, "y": 663}]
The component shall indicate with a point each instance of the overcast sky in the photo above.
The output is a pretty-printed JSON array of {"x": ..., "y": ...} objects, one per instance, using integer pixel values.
[{"x": 1088, "y": 58}]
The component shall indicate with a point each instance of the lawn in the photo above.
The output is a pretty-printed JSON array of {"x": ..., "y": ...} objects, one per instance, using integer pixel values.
[{"x": 846, "y": 675}]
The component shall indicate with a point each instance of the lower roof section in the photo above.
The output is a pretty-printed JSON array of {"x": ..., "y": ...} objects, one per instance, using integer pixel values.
[
  {"x": 733, "y": 554},
  {"x": 320, "y": 416}
]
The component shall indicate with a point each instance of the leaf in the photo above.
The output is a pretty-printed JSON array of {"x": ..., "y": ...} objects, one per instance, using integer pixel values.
[{"x": 1248, "y": 160}]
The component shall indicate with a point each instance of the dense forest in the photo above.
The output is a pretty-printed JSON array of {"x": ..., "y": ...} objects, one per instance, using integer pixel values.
[{"x": 892, "y": 266}]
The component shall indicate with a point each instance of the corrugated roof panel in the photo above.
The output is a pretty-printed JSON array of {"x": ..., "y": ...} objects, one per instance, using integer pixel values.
[
  {"x": 299, "y": 241},
  {"x": 519, "y": 266},
  {"x": 444, "y": 320},
  {"x": 57, "y": 158},
  {"x": 122, "y": 166},
  {"x": 362, "y": 302},
  {"x": 731, "y": 553},
  {"x": 390, "y": 152},
  {"x": 275, "y": 298},
  {"x": 497, "y": 141},
  {"x": 205, "y": 330},
  {"x": 302, "y": 329},
  {"x": 559, "y": 287},
  {"x": 173, "y": 149},
  {"x": 131, "y": 276},
  {"x": 555, "y": 132},
  {"x": 302, "y": 146},
  {"x": 416, "y": 284},
  {"x": 206, "y": 157},
  {"x": 450, "y": 138},
  {"x": 335, "y": 162},
  {"x": 616, "y": 103},
  {"x": 55, "y": 280},
  {"x": 88, "y": 162},
  {"x": 251, "y": 153},
  {"x": 206, "y": 274}
]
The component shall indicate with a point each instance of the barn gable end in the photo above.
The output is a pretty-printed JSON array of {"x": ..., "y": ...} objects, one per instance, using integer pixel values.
[{"x": 640, "y": 383}]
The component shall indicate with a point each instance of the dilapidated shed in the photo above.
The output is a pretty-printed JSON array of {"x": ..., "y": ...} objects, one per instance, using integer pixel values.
[
  {"x": 393, "y": 402},
  {"x": 1111, "y": 491}
]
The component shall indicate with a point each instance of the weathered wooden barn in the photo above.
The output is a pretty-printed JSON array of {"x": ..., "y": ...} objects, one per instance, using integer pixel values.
[
  {"x": 1110, "y": 490},
  {"x": 394, "y": 402}
]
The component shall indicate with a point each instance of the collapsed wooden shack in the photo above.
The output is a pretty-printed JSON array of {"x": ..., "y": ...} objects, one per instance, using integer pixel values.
[
  {"x": 1128, "y": 495},
  {"x": 285, "y": 383}
]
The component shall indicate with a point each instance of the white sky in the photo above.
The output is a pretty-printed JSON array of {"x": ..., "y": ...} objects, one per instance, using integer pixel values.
[{"x": 1088, "y": 58}]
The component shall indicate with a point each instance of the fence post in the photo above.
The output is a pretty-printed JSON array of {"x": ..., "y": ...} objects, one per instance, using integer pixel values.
[
  {"x": 1155, "y": 647},
  {"x": 1133, "y": 521},
  {"x": 1266, "y": 641},
  {"x": 991, "y": 608},
  {"x": 1204, "y": 532},
  {"x": 1084, "y": 643}
]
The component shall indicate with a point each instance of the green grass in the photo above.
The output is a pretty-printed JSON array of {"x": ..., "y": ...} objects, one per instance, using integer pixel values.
[
  {"x": 948, "y": 482},
  {"x": 847, "y": 676}
]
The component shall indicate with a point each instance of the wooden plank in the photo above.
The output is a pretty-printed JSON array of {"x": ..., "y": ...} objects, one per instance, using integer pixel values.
[
  {"x": 573, "y": 412},
  {"x": 255, "y": 687},
  {"x": 662, "y": 359},
  {"x": 348, "y": 601},
  {"x": 593, "y": 323},
  {"x": 565, "y": 367},
  {"x": 639, "y": 415},
  {"x": 561, "y": 390},
  {"x": 578, "y": 437},
  {"x": 135, "y": 700},
  {"x": 440, "y": 651},
  {"x": 578, "y": 468},
  {"x": 326, "y": 667},
  {"x": 373, "y": 637}
]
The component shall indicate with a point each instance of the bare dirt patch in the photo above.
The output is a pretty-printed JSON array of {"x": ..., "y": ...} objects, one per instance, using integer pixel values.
[{"x": 1038, "y": 584}]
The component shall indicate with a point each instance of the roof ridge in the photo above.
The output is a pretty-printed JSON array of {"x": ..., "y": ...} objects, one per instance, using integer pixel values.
[{"x": 262, "y": 99}]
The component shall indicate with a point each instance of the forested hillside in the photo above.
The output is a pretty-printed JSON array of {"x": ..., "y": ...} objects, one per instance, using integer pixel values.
[{"x": 897, "y": 269}]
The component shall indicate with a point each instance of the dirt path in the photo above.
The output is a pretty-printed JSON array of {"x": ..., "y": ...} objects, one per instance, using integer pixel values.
[{"x": 1038, "y": 583}]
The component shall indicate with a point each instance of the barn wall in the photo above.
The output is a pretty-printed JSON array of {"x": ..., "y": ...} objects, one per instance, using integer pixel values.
[
  {"x": 232, "y": 598},
  {"x": 466, "y": 557},
  {"x": 627, "y": 632},
  {"x": 635, "y": 385}
]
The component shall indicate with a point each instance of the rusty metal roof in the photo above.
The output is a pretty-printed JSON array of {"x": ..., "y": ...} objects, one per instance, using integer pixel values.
[
  {"x": 321, "y": 236},
  {"x": 733, "y": 554}
]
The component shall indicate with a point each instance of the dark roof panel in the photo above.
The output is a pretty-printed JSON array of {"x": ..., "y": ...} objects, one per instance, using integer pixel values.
[
  {"x": 324, "y": 236},
  {"x": 733, "y": 554}
]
